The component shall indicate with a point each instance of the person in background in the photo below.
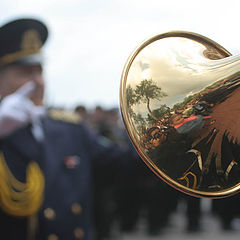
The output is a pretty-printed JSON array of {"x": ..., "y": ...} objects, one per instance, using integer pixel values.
[
  {"x": 47, "y": 157},
  {"x": 83, "y": 113}
]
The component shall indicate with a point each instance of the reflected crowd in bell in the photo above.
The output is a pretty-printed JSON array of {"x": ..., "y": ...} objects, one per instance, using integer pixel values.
[{"x": 142, "y": 203}]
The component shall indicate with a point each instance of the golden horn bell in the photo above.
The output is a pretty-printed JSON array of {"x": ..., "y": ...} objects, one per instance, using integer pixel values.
[{"x": 179, "y": 100}]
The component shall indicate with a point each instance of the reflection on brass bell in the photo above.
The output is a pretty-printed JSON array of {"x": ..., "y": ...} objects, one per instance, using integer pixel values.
[{"x": 180, "y": 104}]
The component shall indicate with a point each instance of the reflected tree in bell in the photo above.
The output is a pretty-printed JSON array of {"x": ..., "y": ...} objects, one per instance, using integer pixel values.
[
  {"x": 147, "y": 90},
  {"x": 131, "y": 99}
]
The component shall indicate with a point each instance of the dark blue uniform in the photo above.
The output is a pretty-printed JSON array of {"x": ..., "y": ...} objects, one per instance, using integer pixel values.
[{"x": 66, "y": 159}]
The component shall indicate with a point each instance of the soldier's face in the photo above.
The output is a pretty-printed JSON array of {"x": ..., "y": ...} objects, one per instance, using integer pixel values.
[{"x": 14, "y": 76}]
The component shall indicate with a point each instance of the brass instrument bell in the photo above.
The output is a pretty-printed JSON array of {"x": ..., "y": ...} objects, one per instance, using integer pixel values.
[{"x": 179, "y": 100}]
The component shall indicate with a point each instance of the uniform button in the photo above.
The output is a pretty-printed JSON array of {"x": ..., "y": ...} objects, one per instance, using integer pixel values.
[
  {"x": 49, "y": 213},
  {"x": 79, "y": 233},
  {"x": 52, "y": 237},
  {"x": 76, "y": 208}
]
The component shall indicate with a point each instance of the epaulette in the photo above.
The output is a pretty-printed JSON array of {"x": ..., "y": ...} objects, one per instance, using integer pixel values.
[{"x": 65, "y": 116}]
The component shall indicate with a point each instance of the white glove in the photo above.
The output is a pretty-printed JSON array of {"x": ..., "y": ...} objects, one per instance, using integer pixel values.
[{"x": 17, "y": 110}]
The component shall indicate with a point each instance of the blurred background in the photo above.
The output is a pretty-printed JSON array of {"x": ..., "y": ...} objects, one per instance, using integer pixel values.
[
  {"x": 90, "y": 40},
  {"x": 89, "y": 43}
]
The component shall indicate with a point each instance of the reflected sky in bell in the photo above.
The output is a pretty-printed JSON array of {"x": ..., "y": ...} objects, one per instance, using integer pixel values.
[
  {"x": 90, "y": 41},
  {"x": 180, "y": 68}
]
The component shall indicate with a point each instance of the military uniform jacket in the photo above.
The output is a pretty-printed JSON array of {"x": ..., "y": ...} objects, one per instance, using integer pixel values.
[{"x": 46, "y": 187}]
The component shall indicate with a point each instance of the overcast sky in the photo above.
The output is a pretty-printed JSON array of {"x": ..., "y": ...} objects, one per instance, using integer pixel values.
[{"x": 90, "y": 40}]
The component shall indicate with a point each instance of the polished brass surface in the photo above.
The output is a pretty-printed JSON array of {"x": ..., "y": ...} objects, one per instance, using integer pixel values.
[{"x": 180, "y": 99}]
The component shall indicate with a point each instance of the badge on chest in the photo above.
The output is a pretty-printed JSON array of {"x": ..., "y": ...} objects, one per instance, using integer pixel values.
[{"x": 72, "y": 162}]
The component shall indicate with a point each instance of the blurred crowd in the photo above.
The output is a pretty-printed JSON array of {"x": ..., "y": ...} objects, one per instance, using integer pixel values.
[{"x": 143, "y": 196}]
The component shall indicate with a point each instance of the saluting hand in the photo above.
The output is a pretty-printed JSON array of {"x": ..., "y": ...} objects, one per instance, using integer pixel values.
[{"x": 17, "y": 110}]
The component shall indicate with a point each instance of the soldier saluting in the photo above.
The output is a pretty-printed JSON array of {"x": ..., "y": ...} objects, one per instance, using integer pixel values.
[{"x": 46, "y": 157}]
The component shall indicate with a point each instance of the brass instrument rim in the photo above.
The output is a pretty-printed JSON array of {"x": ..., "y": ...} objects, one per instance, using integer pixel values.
[{"x": 185, "y": 34}]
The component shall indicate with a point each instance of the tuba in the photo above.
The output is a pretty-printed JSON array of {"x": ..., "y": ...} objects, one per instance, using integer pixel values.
[{"x": 180, "y": 103}]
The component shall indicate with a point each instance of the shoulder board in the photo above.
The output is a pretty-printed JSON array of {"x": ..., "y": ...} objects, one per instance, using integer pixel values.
[{"x": 64, "y": 116}]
